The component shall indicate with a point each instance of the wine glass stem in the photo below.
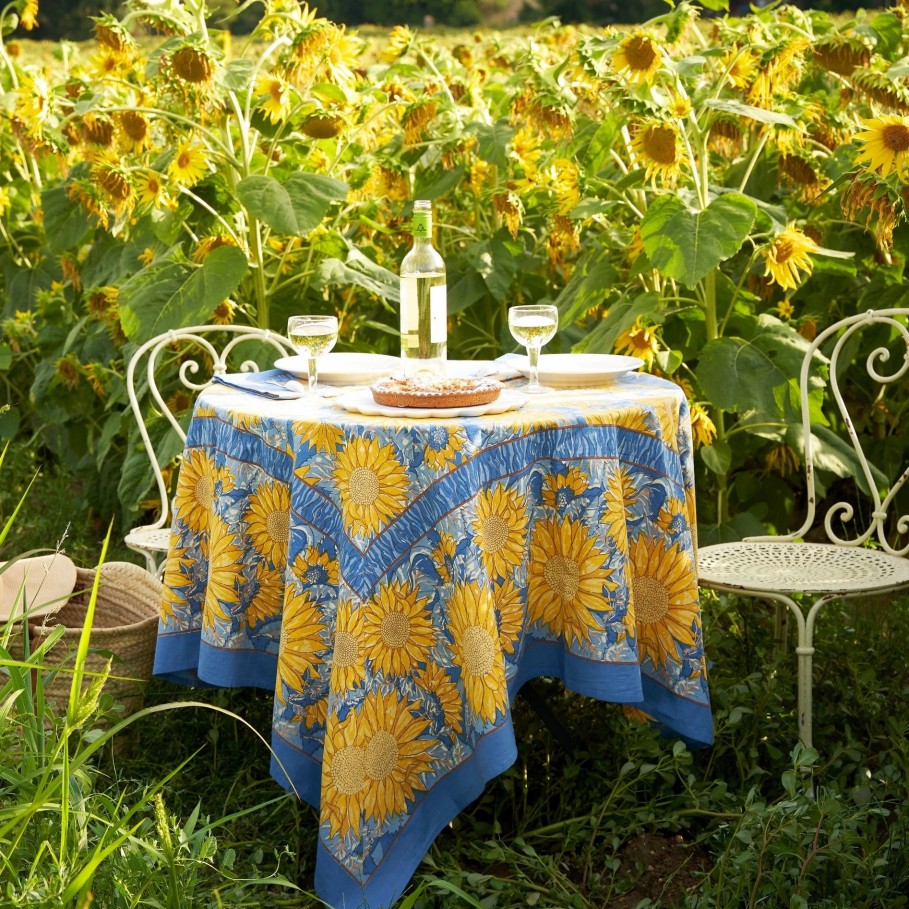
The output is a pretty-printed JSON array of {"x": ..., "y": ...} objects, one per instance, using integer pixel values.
[
  {"x": 533, "y": 359},
  {"x": 313, "y": 372}
]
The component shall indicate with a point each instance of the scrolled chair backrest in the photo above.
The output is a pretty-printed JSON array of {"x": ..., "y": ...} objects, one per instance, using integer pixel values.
[
  {"x": 887, "y": 363},
  {"x": 200, "y": 360}
]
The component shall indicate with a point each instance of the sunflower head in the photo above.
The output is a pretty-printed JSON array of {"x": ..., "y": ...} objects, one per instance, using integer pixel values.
[
  {"x": 111, "y": 34},
  {"x": 193, "y": 64},
  {"x": 841, "y": 54},
  {"x": 638, "y": 58},
  {"x": 322, "y": 125},
  {"x": 788, "y": 255},
  {"x": 658, "y": 149},
  {"x": 885, "y": 145}
]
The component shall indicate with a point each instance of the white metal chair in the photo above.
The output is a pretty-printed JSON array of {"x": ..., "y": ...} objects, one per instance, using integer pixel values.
[
  {"x": 200, "y": 353},
  {"x": 857, "y": 557}
]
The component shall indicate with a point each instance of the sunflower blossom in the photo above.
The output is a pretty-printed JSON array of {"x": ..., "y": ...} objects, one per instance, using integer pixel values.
[
  {"x": 638, "y": 57},
  {"x": 885, "y": 145},
  {"x": 787, "y": 255},
  {"x": 189, "y": 164}
]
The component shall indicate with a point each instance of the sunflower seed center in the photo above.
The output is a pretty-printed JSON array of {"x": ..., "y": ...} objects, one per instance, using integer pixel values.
[
  {"x": 479, "y": 651},
  {"x": 651, "y": 600},
  {"x": 395, "y": 629},
  {"x": 278, "y": 526},
  {"x": 346, "y": 650},
  {"x": 563, "y": 576},
  {"x": 203, "y": 491},
  {"x": 381, "y": 755},
  {"x": 639, "y": 53},
  {"x": 495, "y": 534},
  {"x": 659, "y": 143},
  {"x": 363, "y": 486},
  {"x": 896, "y": 137},
  {"x": 348, "y": 769}
]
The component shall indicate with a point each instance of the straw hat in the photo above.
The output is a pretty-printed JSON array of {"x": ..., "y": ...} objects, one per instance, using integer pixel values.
[{"x": 43, "y": 582}]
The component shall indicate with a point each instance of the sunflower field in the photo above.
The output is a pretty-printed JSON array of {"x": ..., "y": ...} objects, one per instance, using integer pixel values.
[{"x": 705, "y": 193}]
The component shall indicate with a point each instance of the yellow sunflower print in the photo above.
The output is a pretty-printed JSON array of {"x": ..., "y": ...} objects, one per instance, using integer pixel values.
[
  {"x": 397, "y": 629},
  {"x": 566, "y": 579},
  {"x": 195, "y": 496},
  {"x": 316, "y": 567},
  {"x": 507, "y": 600},
  {"x": 443, "y": 555},
  {"x": 619, "y": 496},
  {"x": 476, "y": 649},
  {"x": 373, "y": 763},
  {"x": 348, "y": 661},
  {"x": 633, "y": 418},
  {"x": 437, "y": 681},
  {"x": 316, "y": 713},
  {"x": 667, "y": 418},
  {"x": 269, "y": 598},
  {"x": 224, "y": 573},
  {"x": 174, "y": 578},
  {"x": 664, "y": 599},
  {"x": 501, "y": 529},
  {"x": 372, "y": 484},
  {"x": 671, "y": 518},
  {"x": 268, "y": 521},
  {"x": 320, "y": 435},
  {"x": 302, "y": 642},
  {"x": 442, "y": 447},
  {"x": 560, "y": 490}
]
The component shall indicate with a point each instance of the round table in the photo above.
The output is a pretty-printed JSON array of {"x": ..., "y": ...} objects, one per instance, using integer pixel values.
[{"x": 395, "y": 581}]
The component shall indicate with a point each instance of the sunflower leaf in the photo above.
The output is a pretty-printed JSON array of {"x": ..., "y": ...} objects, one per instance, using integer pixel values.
[
  {"x": 687, "y": 244},
  {"x": 728, "y": 106},
  {"x": 296, "y": 206},
  {"x": 175, "y": 294}
]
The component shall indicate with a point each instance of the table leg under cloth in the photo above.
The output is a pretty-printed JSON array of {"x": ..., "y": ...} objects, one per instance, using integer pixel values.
[{"x": 395, "y": 582}]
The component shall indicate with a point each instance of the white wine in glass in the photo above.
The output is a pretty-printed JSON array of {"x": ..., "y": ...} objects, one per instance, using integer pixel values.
[
  {"x": 533, "y": 326},
  {"x": 311, "y": 337}
]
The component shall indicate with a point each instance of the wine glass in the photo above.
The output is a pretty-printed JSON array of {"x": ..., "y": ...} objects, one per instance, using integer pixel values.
[
  {"x": 533, "y": 326},
  {"x": 312, "y": 336}
]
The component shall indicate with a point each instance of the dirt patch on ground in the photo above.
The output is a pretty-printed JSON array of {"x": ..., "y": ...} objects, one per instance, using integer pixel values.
[{"x": 662, "y": 867}]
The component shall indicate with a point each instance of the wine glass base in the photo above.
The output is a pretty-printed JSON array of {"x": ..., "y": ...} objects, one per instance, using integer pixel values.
[{"x": 535, "y": 389}]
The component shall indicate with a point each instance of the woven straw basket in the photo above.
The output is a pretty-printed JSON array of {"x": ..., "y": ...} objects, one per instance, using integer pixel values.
[{"x": 125, "y": 625}]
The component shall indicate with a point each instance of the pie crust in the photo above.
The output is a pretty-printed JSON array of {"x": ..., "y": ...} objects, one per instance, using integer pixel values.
[{"x": 435, "y": 391}]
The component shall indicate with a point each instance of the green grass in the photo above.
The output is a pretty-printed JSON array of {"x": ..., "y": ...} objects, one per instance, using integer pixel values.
[{"x": 626, "y": 819}]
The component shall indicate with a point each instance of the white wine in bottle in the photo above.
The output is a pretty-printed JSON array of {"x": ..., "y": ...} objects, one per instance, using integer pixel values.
[{"x": 424, "y": 301}]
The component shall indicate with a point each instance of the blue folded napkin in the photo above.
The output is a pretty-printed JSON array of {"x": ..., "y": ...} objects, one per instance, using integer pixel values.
[{"x": 272, "y": 383}]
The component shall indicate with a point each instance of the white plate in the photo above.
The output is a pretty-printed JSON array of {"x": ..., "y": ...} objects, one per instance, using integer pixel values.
[
  {"x": 362, "y": 402},
  {"x": 577, "y": 370},
  {"x": 344, "y": 368}
]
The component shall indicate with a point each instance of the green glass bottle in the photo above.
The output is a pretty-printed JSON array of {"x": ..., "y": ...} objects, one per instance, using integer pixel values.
[{"x": 424, "y": 300}]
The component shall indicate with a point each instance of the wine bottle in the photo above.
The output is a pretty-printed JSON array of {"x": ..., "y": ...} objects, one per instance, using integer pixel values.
[{"x": 424, "y": 301}]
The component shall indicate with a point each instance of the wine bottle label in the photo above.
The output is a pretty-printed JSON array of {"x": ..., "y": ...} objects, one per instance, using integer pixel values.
[
  {"x": 422, "y": 224},
  {"x": 438, "y": 313},
  {"x": 410, "y": 315}
]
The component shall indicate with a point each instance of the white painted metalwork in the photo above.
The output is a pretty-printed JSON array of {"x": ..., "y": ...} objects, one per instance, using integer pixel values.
[
  {"x": 200, "y": 360},
  {"x": 857, "y": 560}
]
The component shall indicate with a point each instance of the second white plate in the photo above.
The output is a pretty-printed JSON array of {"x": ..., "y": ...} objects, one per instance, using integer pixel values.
[
  {"x": 578, "y": 370},
  {"x": 362, "y": 402},
  {"x": 344, "y": 368}
]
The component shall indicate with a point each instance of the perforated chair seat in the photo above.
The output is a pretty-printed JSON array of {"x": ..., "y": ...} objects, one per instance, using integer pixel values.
[
  {"x": 149, "y": 540},
  {"x": 787, "y": 567}
]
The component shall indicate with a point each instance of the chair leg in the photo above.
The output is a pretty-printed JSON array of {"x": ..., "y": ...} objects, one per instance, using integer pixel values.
[{"x": 780, "y": 629}]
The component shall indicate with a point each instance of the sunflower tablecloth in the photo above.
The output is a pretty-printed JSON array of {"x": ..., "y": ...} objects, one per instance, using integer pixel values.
[{"x": 396, "y": 581}]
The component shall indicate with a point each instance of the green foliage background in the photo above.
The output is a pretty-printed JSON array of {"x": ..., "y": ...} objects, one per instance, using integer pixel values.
[{"x": 643, "y": 198}]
